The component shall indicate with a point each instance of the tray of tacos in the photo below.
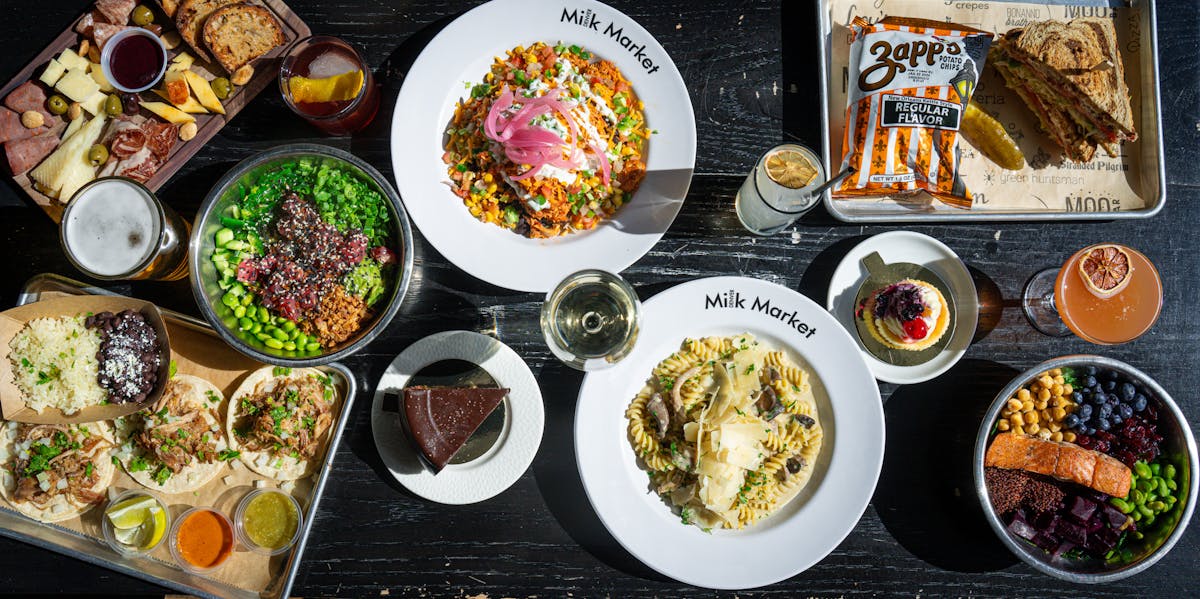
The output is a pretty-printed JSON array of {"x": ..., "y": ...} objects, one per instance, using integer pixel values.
[{"x": 209, "y": 487}]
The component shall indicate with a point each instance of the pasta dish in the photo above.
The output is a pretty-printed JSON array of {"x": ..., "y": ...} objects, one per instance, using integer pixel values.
[
  {"x": 552, "y": 141},
  {"x": 727, "y": 430}
]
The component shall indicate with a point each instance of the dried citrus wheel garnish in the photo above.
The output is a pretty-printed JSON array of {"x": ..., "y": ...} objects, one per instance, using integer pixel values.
[
  {"x": 790, "y": 169},
  {"x": 1106, "y": 270},
  {"x": 989, "y": 137}
]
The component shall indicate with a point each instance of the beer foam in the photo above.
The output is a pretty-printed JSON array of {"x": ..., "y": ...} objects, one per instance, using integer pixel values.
[{"x": 112, "y": 227}]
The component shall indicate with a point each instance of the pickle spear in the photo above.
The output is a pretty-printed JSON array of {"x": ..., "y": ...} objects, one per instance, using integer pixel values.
[{"x": 989, "y": 137}]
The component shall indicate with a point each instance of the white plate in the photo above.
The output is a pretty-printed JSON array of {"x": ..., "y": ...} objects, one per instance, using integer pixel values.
[
  {"x": 498, "y": 468},
  {"x": 463, "y": 52},
  {"x": 806, "y": 529},
  {"x": 907, "y": 246}
]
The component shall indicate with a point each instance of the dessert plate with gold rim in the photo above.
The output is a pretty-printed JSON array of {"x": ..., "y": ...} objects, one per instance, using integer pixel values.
[
  {"x": 917, "y": 254},
  {"x": 498, "y": 453}
]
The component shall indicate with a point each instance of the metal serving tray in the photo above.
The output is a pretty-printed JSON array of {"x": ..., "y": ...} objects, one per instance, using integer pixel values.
[
  {"x": 95, "y": 551},
  {"x": 1152, "y": 176}
]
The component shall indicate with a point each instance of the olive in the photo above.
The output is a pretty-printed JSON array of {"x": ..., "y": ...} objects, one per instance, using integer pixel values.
[
  {"x": 113, "y": 105},
  {"x": 142, "y": 15},
  {"x": 130, "y": 102},
  {"x": 97, "y": 155},
  {"x": 57, "y": 104},
  {"x": 221, "y": 87}
]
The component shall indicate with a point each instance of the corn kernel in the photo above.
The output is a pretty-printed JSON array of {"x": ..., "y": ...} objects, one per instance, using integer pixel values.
[
  {"x": 488, "y": 177},
  {"x": 1055, "y": 427},
  {"x": 491, "y": 188},
  {"x": 1018, "y": 430}
]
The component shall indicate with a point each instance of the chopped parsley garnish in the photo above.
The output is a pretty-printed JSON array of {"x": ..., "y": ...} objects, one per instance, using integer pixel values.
[
  {"x": 749, "y": 369},
  {"x": 685, "y": 515},
  {"x": 161, "y": 475},
  {"x": 46, "y": 377},
  {"x": 87, "y": 470},
  {"x": 212, "y": 396},
  {"x": 308, "y": 422},
  {"x": 138, "y": 464},
  {"x": 248, "y": 407},
  {"x": 27, "y": 364},
  {"x": 181, "y": 433},
  {"x": 115, "y": 461}
]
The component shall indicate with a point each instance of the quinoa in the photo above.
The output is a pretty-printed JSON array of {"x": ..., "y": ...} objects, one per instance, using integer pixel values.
[{"x": 1014, "y": 489}]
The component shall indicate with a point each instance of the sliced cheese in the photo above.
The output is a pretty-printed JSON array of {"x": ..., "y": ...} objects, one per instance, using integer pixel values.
[
  {"x": 73, "y": 61},
  {"x": 190, "y": 106},
  {"x": 72, "y": 128},
  {"x": 68, "y": 159},
  {"x": 77, "y": 85},
  {"x": 168, "y": 112},
  {"x": 204, "y": 92},
  {"x": 97, "y": 74},
  {"x": 94, "y": 104},
  {"x": 182, "y": 62},
  {"x": 54, "y": 71}
]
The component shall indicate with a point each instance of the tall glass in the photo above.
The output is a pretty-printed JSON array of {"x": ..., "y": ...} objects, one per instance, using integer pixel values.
[
  {"x": 328, "y": 67},
  {"x": 769, "y": 200},
  {"x": 1058, "y": 302},
  {"x": 114, "y": 228},
  {"x": 591, "y": 320}
]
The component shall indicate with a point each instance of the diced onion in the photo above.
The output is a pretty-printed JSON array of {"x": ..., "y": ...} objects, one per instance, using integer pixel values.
[
  {"x": 62, "y": 484},
  {"x": 288, "y": 486},
  {"x": 228, "y": 480},
  {"x": 258, "y": 484}
]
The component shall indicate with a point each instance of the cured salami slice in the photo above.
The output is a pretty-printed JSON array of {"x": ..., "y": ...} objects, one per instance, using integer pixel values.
[
  {"x": 160, "y": 138},
  {"x": 102, "y": 31},
  {"x": 28, "y": 96},
  {"x": 127, "y": 143},
  {"x": 11, "y": 128},
  {"x": 139, "y": 167},
  {"x": 116, "y": 11}
]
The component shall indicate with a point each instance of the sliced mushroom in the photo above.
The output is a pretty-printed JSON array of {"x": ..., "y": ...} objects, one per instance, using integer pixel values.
[
  {"x": 805, "y": 420},
  {"x": 659, "y": 410},
  {"x": 773, "y": 374},
  {"x": 795, "y": 464},
  {"x": 684, "y": 494},
  {"x": 682, "y": 457},
  {"x": 768, "y": 404}
]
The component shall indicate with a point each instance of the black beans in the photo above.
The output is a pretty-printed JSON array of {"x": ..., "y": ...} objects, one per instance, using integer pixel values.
[{"x": 128, "y": 355}]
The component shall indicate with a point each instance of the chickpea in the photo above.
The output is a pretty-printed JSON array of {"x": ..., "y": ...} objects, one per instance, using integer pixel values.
[
  {"x": 1027, "y": 405},
  {"x": 1068, "y": 389},
  {"x": 1069, "y": 437},
  {"x": 1059, "y": 380},
  {"x": 1031, "y": 418},
  {"x": 1056, "y": 436},
  {"x": 1023, "y": 394},
  {"x": 1046, "y": 381},
  {"x": 1017, "y": 419},
  {"x": 1054, "y": 371},
  {"x": 1044, "y": 434},
  {"x": 1041, "y": 405},
  {"x": 1002, "y": 425},
  {"x": 1043, "y": 395},
  {"x": 1014, "y": 404},
  {"x": 1059, "y": 413},
  {"x": 1057, "y": 389},
  {"x": 1033, "y": 428},
  {"x": 1018, "y": 430},
  {"x": 32, "y": 119}
]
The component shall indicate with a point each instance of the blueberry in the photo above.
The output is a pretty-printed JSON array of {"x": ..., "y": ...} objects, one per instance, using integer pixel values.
[
  {"x": 1071, "y": 421},
  {"x": 1089, "y": 370},
  {"x": 1109, "y": 385},
  {"x": 1091, "y": 430},
  {"x": 1116, "y": 419},
  {"x": 1089, "y": 382},
  {"x": 1113, "y": 400},
  {"x": 1103, "y": 424},
  {"x": 1104, "y": 411},
  {"x": 1085, "y": 412},
  {"x": 1139, "y": 403},
  {"x": 1128, "y": 392},
  {"x": 1112, "y": 375},
  {"x": 1126, "y": 411}
]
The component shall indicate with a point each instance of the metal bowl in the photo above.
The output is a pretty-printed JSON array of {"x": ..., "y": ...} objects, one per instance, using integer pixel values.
[
  {"x": 205, "y": 278},
  {"x": 1177, "y": 443}
]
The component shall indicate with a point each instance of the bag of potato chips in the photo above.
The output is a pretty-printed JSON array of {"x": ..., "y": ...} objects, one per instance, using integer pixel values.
[{"x": 910, "y": 81}]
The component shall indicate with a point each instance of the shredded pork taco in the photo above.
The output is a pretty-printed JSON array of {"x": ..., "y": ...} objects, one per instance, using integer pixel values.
[
  {"x": 279, "y": 420},
  {"x": 54, "y": 472},
  {"x": 178, "y": 444}
]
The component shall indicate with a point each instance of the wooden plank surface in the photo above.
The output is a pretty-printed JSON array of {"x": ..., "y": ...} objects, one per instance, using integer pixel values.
[{"x": 750, "y": 67}]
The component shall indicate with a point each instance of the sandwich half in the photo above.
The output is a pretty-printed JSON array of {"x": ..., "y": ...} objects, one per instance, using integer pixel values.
[{"x": 1071, "y": 76}]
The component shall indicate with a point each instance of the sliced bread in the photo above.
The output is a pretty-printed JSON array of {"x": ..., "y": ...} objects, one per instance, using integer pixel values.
[
  {"x": 169, "y": 6},
  {"x": 190, "y": 16},
  {"x": 238, "y": 33}
]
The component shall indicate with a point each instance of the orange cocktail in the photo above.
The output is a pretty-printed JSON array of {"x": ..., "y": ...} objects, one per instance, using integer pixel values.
[{"x": 1129, "y": 310}]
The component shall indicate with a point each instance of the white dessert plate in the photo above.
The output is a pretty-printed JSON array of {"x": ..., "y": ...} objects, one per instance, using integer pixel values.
[
  {"x": 907, "y": 246},
  {"x": 463, "y": 52},
  {"x": 806, "y": 529},
  {"x": 499, "y": 467}
]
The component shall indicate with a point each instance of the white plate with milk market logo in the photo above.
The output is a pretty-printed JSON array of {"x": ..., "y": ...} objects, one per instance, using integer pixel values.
[
  {"x": 804, "y": 530},
  {"x": 458, "y": 58}
]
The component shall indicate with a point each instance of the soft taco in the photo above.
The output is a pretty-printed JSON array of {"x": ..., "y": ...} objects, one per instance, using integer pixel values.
[
  {"x": 280, "y": 419},
  {"x": 54, "y": 472},
  {"x": 178, "y": 444}
]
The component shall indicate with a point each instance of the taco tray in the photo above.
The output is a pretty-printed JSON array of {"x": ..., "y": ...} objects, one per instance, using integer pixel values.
[
  {"x": 1132, "y": 185},
  {"x": 197, "y": 350},
  {"x": 265, "y": 70}
]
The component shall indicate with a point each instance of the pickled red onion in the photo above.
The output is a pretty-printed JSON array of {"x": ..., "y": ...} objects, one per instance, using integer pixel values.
[{"x": 524, "y": 143}]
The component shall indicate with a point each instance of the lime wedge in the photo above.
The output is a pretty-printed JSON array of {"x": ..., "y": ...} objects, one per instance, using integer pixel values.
[
  {"x": 131, "y": 513},
  {"x": 156, "y": 527}
]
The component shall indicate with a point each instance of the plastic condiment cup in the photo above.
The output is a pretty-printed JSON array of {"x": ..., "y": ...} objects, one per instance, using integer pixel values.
[
  {"x": 174, "y": 541},
  {"x": 110, "y": 534},
  {"x": 239, "y": 519},
  {"x": 106, "y": 58}
]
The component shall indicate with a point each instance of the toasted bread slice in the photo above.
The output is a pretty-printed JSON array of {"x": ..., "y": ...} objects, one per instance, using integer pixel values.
[
  {"x": 169, "y": 6},
  {"x": 239, "y": 33},
  {"x": 190, "y": 16}
]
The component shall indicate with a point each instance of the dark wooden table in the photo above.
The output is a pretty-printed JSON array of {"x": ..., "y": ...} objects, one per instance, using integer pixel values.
[{"x": 751, "y": 68}]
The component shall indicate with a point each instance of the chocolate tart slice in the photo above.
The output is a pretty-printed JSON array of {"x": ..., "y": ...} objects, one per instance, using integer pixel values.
[{"x": 440, "y": 420}]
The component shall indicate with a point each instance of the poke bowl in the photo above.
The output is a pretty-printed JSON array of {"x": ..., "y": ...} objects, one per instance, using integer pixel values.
[
  {"x": 301, "y": 255},
  {"x": 1086, "y": 469}
]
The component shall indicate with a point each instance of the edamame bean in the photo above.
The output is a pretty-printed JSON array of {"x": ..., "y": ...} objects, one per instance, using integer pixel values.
[
  {"x": 1169, "y": 471},
  {"x": 247, "y": 299},
  {"x": 239, "y": 311},
  {"x": 245, "y": 324},
  {"x": 289, "y": 345},
  {"x": 229, "y": 299},
  {"x": 1121, "y": 504},
  {"x": 262, "y": 337},
  {"x": 1156, "y": 468},
  {"x": 273, "y": 343},
  {"x": 257, "y": 327},
  {"x": 251, "y": 311},
  {"x": 313, "y": 346},
  {"x": 1162, "y": 486},
  {"x": 279, "y": 334},
  {"x": 288, "y": 325},
  {"x": 264, "y": 316},
  {"x": 1137, "y": 496},
  {"x": 1148, "y": 520},
  {"x": 1157, "y": 506},
  {"x": 1145, "y": 511},
  {"x": 1142, "y": 470},
  {"x": 1172, "y": 485}
]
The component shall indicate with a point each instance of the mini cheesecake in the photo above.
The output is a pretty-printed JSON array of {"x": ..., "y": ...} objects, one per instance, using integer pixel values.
[
  {"x": 910, "y": 315},
  {"x": 440, "y": 420}
]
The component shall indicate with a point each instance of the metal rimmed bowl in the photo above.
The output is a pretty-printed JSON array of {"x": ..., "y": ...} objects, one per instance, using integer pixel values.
[
  {"x": 205, "y": 278},
  {"x": 1178, "y": 444}
]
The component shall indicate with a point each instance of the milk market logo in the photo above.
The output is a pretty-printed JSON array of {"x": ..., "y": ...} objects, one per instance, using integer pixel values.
[
  {"x": 733, "y": 299},
  {"x": 589, "y": 19}
]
